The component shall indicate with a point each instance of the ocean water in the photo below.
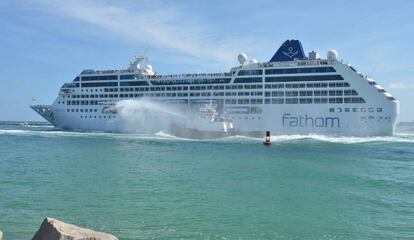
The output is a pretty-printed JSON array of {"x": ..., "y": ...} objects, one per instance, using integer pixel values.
[{"x": 161, "y": 187}]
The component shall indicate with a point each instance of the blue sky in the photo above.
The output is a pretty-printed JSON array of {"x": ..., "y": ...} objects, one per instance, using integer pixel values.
[{"x": 45, "y": 43}]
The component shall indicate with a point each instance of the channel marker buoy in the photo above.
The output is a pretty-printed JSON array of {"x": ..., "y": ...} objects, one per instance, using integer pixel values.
[{"x": 267, "y": 141}]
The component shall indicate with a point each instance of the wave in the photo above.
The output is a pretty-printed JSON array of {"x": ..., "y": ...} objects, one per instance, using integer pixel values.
[
  {"x": 85, "y": 134},
  {"x": 399, "y": 137},
  {"x": 38, "y": 126},
  {"x": 407, "y": 138}
]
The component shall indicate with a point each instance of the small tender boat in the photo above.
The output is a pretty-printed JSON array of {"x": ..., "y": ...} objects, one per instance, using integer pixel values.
[{"x": 208, "y": 124}]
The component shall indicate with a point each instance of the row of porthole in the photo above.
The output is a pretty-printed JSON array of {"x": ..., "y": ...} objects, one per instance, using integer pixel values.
[
  {"x": 82, "y": 110},
  {"x": 86, "y": 90},
  {"x": 378, "y": 117},
  {"x": 379, "y": 109},
  {"x": 97, "y": 117}
]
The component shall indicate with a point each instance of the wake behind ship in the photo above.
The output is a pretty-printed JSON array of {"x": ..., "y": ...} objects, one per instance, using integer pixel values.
[{"x": 290, "y": 94}]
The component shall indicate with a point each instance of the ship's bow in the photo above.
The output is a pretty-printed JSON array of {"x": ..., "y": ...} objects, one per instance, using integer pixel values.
[{"x": 46, "y": 111}]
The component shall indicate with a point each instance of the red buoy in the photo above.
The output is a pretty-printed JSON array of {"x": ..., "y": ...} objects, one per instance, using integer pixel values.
[{"x": 267, "y": 141}]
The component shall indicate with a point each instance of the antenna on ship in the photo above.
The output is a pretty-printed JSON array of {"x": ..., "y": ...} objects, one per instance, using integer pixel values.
[
  {"x": 242, "y": 58},
  {"x": 138, "y": 59}
]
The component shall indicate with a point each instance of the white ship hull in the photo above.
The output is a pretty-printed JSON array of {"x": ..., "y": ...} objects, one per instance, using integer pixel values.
[{"x": 300, "y": 119}]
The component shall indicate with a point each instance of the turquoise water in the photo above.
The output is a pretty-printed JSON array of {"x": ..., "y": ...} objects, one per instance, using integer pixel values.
[{"x": 161, "y": 187}]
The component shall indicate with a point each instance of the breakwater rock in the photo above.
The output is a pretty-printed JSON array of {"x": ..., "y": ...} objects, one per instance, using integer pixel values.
[{"x": 53, "y": 229}]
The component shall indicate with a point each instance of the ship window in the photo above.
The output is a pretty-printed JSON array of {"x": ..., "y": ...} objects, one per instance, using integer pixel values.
[
  {"x": 300, "y": 70},
  {"x": 372, "y": 83},
  {"x": 99, "y": 84},
  {"x": 391, "y": 98},
  {"x": 305, "y": 101},
  {"x": 379, "y": 109},
  {"x": 291, "y": 93},
  {"x": 134, "y": 83},
  {"x": 305, "y": 93},
  {"x": 248, "y": 80},
  {"x": 295, "y": 85},
  {"x": 353, "y": 69},
  {"x": 278, "y": 85},
  {"x": 129, "y": 76},
  {"x": 321, "y": 93},
  {"x": 304, "y": 78},
  {"x": 250, "y": 72},
  {"x": 291, "y": 101},
  {"x": 278, "y": 100},
  {"x": 191, "y": 81},
  {"x": 331, "y": 109},
  {"x": 358, "y": 100},
  {"x": 320, "y": 100},
  {"x": 278, "y": 94},
  {"x": 256, "y": 93},
  {"x": 350, "y": 93},
  {"x": 98, "y": 78}
]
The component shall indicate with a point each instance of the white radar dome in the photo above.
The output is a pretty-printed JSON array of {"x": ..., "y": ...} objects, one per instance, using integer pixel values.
[
  {"x": 149, "y": 67},
  {"x": 253, "y": 61},
  {"x": 242, "y": 58},
  {"x": 332, "y": 55}
]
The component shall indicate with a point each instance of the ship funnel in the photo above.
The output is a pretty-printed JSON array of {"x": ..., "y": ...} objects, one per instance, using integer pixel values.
[{"x": 289, "y": 51}]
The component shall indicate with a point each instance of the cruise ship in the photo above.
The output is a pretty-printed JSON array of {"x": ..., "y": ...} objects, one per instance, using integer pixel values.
[{"x": 292, "y": 93}]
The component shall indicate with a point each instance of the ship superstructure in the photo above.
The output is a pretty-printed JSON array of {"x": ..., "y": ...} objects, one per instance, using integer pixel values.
[{"x": 290, "y": 94}]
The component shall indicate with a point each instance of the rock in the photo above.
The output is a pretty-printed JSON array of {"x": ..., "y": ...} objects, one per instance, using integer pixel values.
[{"x": 53, "y": 229}]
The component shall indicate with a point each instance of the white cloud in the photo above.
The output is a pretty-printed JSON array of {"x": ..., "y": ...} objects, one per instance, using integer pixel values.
[
  {"x": 402, "y": 86},
  {"x": 153, "y": 24}
]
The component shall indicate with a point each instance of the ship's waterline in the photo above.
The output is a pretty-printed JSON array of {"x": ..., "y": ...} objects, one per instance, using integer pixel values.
[{"x": 291, "y": 93}]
